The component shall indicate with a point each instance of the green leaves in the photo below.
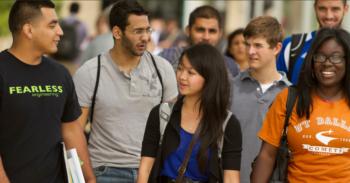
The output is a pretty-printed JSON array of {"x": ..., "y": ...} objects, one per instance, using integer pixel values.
[{"x": 5, "y": 7}]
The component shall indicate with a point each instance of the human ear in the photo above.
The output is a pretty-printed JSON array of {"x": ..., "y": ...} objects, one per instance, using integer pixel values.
[
  {"x": 116, "y": 31},
  {"x": 346, "y": 8},
  {"x": 277, "y": 48},
  {"x": 27, "y": 30}
]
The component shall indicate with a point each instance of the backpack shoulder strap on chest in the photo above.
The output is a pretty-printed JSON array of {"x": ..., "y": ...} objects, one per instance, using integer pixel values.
[
  {"x": 95, "y": 88},
  {"x": 297, "y": 44},
  {"x": 159, "y": 75},
  {"x": 165, "y": 110},
  {"x": 291, "y": 99}
]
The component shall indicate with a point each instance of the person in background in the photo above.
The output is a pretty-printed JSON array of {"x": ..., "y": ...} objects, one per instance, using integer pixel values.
[
  {"x": 237, "y": 49},
  {"x": 158, "y": 27},
  {"x": 38, "y": 104},
  {"x": 254, "y": 90},
  {"x": 329, "y": 13},
  {"x": 173, "y": 35},
  {"x": 102, "y": 42},
  {"x": 318, "y": 129},
  {"x": 102, "y": 22},
  {"x": 205, "y": 26},
  {"x": 81, "y": 30},
  {"x": 131, "y": 83},
  {"x": 199, "y": 115}
]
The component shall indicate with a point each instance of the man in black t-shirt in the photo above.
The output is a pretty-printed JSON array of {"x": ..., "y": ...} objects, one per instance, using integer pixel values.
[{"x": 38, "y": 103}]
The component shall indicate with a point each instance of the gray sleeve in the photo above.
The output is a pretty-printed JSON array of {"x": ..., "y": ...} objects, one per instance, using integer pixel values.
[
  {"x": 169, "y": 79},
  {"x": 85, "y": 83}
]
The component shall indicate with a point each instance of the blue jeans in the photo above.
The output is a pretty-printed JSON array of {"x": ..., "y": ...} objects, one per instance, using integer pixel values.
[{"x": 115, "y": 175}]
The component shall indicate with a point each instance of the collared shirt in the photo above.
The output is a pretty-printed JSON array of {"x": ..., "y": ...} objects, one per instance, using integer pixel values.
[
  {"x": 123, "y": 102},
  {"x": 173, "y": 55},
  {"x": 249, "y": 105}
]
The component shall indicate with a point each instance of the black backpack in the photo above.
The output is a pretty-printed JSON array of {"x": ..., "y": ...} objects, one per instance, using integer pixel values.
[{"x": 68, "y": 48}]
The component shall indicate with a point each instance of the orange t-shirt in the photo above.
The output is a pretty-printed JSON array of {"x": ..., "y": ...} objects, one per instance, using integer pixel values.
[{"x": 320, "y": 146}]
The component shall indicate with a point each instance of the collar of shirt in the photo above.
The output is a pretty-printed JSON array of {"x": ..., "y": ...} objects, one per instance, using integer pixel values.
[{"x": 246, "y": 75}]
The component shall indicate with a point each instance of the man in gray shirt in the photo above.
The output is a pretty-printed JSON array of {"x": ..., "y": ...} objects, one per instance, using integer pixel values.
[
  {"x": 254, "y": 89},
  {"x": 129, "y": 87}
]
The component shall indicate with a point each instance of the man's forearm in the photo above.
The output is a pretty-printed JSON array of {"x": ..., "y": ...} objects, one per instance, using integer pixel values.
[
  {"x": 3, "y": 176},
  {"x": 74, "y": 137}
]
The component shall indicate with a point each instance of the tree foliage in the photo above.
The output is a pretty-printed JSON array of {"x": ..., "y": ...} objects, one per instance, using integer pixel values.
[
  {"x": 5, "y": 6},
  {"x": 4, "y": 14}
]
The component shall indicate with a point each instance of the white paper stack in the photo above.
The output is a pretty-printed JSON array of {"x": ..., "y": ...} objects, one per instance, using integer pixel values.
[{"x": 73, "y": 167}]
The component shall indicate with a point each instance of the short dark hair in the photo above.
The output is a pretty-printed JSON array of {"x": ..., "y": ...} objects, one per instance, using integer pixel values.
[
  {"x": 205, "y": 11},
  {"x": 74, "y": 7},
  {"x": 267, "y": 27},
  {"x": 344, "y": 2},
  {"x": 215, "y": 95},
  {"x": 230, "y": 37},
  {"x": 307, "y": 82},
  {"x": 24, "y": 11},
  {"x": 122, "y": 10}
]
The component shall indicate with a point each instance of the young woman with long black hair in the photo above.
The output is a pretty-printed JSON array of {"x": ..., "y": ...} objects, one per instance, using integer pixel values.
[
  {"x": 199, "y": 112},
  {"x": 318, "y": 130}
]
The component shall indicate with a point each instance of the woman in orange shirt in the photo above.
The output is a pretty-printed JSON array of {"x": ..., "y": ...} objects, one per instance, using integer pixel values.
[{"x": 318, "y": 130}]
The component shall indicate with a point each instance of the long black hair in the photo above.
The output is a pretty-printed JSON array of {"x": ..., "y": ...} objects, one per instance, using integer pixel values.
[
  {"x": 214, "y": 99},
  {"x": 308, "y": 82}
]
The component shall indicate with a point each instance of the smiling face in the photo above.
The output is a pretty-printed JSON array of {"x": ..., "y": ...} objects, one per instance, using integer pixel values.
[
  {"x": 190, "y": 82},
  {"x": 46, "y": 31},
  {"x": 136, "y": 35},
  {"x": 330, "y": 13},
  {"x": 330, "y": 74}
]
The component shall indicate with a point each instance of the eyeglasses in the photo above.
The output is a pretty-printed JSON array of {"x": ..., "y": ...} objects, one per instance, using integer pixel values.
[
  {"x": 334, "y": 59},
  {"x": 140, "y": 32}
]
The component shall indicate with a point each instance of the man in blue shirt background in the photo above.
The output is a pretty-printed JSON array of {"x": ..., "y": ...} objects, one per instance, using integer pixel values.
[{"x": 329, "y": 13}]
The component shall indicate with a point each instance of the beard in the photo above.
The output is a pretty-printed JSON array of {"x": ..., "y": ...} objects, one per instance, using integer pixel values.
[
  {"x": 129, "y": 47},
  {"x": 336, "y": 26}
]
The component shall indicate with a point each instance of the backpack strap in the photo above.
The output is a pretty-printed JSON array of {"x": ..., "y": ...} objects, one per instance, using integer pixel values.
[
  {"x": 292, "y": 95},
  {"x": 221, "y": 141},
  {"x": 297, "y": 44},
  {"x": 98, "y": 80},
  {"x": 165, "y": 110},
  {"x": 159, "y": 76},
  {"x": 96, "y": 87}
]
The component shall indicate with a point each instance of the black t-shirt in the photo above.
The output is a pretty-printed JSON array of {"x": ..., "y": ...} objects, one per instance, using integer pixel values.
[{"x": 34, "y": 100}]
